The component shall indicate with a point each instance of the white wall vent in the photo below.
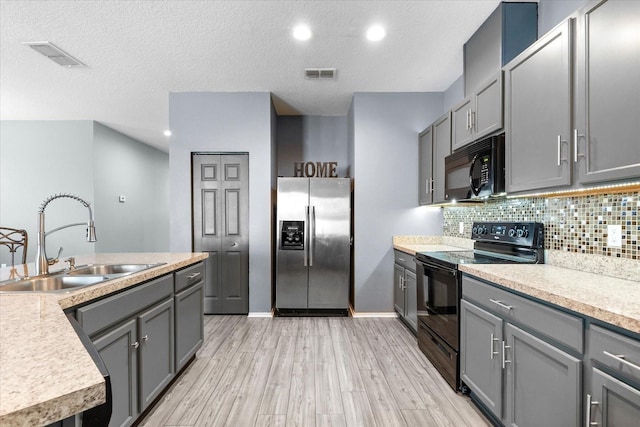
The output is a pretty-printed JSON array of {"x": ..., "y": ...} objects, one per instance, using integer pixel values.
[
  {"x": 320, "y": 73},
  {"x": 55, "y": 54}
]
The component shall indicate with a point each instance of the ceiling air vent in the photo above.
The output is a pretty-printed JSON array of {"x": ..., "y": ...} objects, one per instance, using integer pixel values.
[
  {"x": 320, "y": 73},
  {"x": 55, "y": 54}
]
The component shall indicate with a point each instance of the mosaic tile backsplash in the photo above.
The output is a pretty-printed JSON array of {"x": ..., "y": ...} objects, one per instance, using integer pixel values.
[{"x": 573, "y": 224}]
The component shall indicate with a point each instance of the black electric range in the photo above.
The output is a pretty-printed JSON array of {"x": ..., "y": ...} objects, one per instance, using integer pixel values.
[{"x": 439, "y": 284}]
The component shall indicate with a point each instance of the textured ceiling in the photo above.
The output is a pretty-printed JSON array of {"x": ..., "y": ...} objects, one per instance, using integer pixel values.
[{"x": 139, "y": 51}]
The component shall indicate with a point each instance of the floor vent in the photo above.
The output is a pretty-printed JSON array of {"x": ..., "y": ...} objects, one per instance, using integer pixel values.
[
  {"x": 320, "y": 73},
  {"x": 55, "y": 54}
]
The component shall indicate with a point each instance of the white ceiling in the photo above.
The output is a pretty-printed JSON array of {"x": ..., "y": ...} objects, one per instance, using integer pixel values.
[{"x": 137, "y": 52}]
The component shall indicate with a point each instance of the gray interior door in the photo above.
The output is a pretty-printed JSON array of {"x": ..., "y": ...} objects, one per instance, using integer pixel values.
[{"x": 221, "y": 227}]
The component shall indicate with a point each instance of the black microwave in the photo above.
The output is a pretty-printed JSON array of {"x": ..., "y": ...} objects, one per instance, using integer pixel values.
[{"x": 475, "y": 172}]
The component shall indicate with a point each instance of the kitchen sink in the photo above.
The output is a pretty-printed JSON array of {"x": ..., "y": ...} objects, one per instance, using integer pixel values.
[
  {"x": 52, "y": 283},
  {"x": 65, "y": 280},
  {"x": 110, "y": 269}
]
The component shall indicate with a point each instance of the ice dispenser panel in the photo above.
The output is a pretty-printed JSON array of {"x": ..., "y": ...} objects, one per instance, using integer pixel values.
[{"x": 292, "y": 235}]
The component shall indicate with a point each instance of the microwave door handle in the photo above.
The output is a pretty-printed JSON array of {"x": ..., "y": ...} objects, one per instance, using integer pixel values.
[{"x": 473, "y": 164}]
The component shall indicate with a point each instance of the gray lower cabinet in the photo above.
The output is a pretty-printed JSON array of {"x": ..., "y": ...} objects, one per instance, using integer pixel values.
[
  {"x": 538, "y": 113},
  {"x": 607, "y": 92},
  {"x": 478, "y": 115},
  {"x": 612, "y": 378},
  {"x": 513, "y": 360},
  {"x": 189, "y": 326},
  {"x": 405, "y": 291},
  {"x": 116, "y": 349}
]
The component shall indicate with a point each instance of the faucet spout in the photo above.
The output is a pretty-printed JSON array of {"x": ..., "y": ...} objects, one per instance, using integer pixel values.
[{"x": 42, "y": 262}]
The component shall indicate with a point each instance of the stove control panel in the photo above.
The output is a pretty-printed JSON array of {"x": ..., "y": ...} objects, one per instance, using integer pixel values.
[{"x": 530, "y": 234}]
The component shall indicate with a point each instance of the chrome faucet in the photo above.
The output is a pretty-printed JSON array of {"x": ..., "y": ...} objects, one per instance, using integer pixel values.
[{"x": 42, "y": 262}]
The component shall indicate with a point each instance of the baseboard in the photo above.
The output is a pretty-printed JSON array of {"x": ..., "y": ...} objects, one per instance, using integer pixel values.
[
  {"x": 392, "y": 314},
  {"x": 260, "y": 314}
]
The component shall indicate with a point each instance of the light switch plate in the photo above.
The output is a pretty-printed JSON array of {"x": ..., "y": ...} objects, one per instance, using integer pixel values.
[
  {"x": 122, "y": 199},
  {"x": 614, "y": 236}
]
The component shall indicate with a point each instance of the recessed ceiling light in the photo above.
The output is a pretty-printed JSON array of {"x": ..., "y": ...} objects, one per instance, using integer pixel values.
[
  {"x": 167, "y": 133},
  {"x": 376, "y": 33},
  {"x": 302, "y": 32}
]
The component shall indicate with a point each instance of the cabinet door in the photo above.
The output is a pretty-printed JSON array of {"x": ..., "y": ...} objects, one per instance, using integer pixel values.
[
  {"x": 425, "y": 171},
  {"x": 613, "y": 403},
  {"x": 480, "y": 355},
  {"x": 538, "y": 113},
  {"x": 411, "y": 299},
  {"x": 117, "y": 349},
  {"x": 543, "y": 383},
  {"x": 156, "y": 351},
  {"x": 441, "y": 149},
  {"x": 608, "y": 92},
  {"x": 189, "y": 323},
  {"x": 398, "y": 289},
  {"x": 488, "y": 114},
  {"x": 461, "y": 130}
]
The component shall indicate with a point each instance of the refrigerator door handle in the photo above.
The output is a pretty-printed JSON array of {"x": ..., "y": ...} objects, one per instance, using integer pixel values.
[
  {"x": 306, "y": 235},
  {"x": 312, "y": 238}
]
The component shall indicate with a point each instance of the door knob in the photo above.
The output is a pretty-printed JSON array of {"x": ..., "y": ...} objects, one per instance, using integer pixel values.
[{"x": 234, "y": 244}]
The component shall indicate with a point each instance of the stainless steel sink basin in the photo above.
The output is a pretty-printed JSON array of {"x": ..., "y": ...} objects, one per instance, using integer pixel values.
[
  {"x": 65, "y": 281},
  {"x": 110, "y": 269},
  {"x": 52, "y": 283}
]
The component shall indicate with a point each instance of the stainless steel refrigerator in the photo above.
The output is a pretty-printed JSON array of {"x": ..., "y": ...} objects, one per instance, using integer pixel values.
[{"x": 313, "y": 241}]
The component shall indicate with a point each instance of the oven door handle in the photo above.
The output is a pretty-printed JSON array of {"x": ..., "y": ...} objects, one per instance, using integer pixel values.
[{"x": 435, "y": 268}]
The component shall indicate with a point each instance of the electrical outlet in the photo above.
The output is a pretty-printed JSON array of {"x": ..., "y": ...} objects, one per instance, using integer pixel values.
[
  {"x": 614, "y": 236},
  {"x": 461, "y": 227}
]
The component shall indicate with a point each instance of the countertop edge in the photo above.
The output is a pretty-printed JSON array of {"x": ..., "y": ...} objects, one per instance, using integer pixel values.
[{"x": 62, "y": 406}]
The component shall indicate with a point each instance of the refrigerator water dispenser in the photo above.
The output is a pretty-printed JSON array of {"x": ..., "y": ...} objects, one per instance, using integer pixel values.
[{"x": 292, "y": 235}]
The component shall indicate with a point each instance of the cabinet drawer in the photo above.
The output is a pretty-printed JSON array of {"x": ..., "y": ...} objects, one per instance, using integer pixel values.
[
  {"x": 405, "y": 260},
  {"x": 608, "y": 348},
  {"x": 111, "y": 310},
  {"x": 189, "y": 276},
  {"x": 561, "y": 327}
]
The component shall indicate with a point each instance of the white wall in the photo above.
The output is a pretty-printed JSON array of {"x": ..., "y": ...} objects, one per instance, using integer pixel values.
[
  {"x": 385, "y": 146},
  {"x": 123, "y": 166},
  {"x": 225, "y": 122}
]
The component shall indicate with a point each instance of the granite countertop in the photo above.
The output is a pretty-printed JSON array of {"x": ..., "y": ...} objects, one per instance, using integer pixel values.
[
  {"x": 603, "y": 288},
  {"x": 608, "y": 299},
  {"x": 45, "y": 372}
]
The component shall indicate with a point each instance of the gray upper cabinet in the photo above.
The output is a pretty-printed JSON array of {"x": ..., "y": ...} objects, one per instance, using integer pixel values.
[
  {"x": 434, "y": 146},
  {"x": 479, "y": 114},
  {"x": 538, "y": 113},
  {"x": 441, "y": 149},
  {"x": 425, "y": 168},
  {"x": 605, "y": 140},
  {"x": 511, "y": 28}
]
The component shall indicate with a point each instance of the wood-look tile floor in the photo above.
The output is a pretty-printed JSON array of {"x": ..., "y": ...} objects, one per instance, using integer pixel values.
[{"x": 311, "y": 372}]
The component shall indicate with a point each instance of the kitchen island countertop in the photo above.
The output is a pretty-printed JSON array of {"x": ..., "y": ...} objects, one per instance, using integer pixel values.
[{"x": 45, "y": 372}]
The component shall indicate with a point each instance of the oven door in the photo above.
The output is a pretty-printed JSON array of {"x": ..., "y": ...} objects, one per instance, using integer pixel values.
[{"x": 438, "y": 302}]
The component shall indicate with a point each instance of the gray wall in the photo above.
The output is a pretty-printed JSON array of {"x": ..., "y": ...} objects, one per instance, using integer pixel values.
[
  {"x": 453, "y": 94},
  {"x": 225, "y": 122},
  {"x": 552, "y": 12},
  {"x": 312, "y": 138},
  {"x": 385, "y": 139},
  {"x": 123, "y": 166},
  {"x": 84, "y": 158}
]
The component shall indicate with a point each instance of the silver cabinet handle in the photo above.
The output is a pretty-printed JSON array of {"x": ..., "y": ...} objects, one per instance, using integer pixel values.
[
  {"x": 426, "y": 186},
  {"x": 468, "y": 119},
  {"x": 472, "y": 119},
  {"x": 145, "y": 338},
  {"x": 135, "y": 344},
  {"x": 501, "y": 304},
  {"x": 193, "y": 276},
  {"x": 576, "y": 135},
  {"x": 559, "y": 143},
  {"x": 402, "y": 260},
  {"x": 504, "y": 356},
  {"x": 621, "y": 358},
  {"x": 493, "y": 339},
  {"x": 590, "y": 403}
]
